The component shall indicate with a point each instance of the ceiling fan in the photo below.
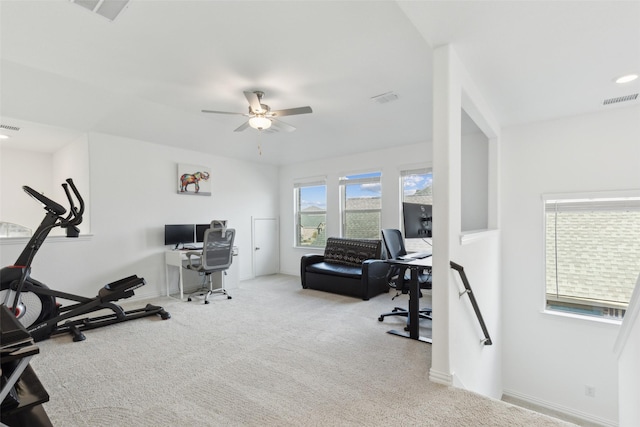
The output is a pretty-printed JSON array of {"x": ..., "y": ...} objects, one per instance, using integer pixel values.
[{"x": 260, "y": 115}]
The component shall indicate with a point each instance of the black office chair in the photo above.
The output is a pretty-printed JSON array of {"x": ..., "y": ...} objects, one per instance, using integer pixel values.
[
  {"x": 216, "y": 255},
  {"x": 399, "y": 277}
]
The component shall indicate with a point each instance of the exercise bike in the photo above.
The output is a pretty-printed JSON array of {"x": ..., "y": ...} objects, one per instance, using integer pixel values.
[{"x": 35, "y": 305}]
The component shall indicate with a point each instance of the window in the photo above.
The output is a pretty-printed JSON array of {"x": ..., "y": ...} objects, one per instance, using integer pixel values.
[
  {"x": 311, "y": 214},
  {"x": 361, "y": 197},
  {"x": 592, "y": 254},
  {"x": 416, "y": 187}
]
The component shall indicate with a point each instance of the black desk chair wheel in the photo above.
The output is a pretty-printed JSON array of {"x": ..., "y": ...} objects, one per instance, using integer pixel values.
[{"x": 399, "y": 277}]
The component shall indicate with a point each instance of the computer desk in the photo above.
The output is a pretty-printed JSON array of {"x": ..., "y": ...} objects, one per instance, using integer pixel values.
[
  {"x": 414, "y": 296},
  {"x": 176, "y": 258}
]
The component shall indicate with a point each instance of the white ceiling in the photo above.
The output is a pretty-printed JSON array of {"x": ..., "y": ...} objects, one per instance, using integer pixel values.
[{"x": 148, "y": 74}]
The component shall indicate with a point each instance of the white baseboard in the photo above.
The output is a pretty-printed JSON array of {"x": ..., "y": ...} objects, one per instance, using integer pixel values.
[
  {"x": 540, "y": 405},
  {"x": 440, "y": 377}
]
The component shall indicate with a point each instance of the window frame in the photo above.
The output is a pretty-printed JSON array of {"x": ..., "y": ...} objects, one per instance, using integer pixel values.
[
  {"x": 575, "y": 202},
  {"x": 297, "y": 212},
  {"x": 343, "y": 182}
]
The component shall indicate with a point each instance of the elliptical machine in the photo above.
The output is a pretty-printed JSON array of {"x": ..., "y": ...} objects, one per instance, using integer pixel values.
[{"x": 34, "y": 304}]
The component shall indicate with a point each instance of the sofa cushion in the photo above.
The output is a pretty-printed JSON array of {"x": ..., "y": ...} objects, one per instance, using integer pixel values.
[
  {"x": 336, "y": 270},
  {"x": 351, "y": 252}
]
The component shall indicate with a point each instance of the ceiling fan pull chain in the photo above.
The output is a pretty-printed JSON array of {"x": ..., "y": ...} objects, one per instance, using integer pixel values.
[{"x": 260, "y": 143}]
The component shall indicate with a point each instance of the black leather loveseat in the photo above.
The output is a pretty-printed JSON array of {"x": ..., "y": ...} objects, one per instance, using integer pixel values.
[{"x": 349, "y": 267}]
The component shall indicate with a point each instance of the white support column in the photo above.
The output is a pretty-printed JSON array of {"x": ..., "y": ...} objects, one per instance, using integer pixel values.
[{"x": 446, "y": 127}]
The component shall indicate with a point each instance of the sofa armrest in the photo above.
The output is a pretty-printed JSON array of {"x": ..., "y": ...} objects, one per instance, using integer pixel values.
[
  {"x": 306, "y": 260},
  {"x": 375, "y": 277}
]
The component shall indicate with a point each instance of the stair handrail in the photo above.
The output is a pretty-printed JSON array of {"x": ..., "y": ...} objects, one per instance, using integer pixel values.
[{"x": 472, "y": 298}]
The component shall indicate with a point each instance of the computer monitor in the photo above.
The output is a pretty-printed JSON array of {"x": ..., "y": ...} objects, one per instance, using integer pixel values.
[
  {"x": 178, "y": 234},
  {"x": 417, "y": 220},
  {"x": 220, "y": 224},
  {"x": 200, "y": 229}
]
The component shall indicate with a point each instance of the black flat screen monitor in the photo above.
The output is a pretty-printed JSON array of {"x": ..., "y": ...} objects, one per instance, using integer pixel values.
[
  {"x": 178, "y": 234},
  {"x": 417, "y": 220},
  {"x": 200, "y": 229}
]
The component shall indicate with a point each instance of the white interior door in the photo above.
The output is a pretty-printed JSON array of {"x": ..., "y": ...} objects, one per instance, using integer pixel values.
[{"x": 266, "y": 247}]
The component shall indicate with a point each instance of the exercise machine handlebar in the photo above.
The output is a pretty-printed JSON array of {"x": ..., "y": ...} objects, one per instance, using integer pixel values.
[{"x": 74, "y": 216}]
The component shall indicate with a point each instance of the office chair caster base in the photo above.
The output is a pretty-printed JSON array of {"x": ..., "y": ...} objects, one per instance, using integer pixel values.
[
  {"x": 228, "y": 296},
  {"x": 206, "y": 302}
]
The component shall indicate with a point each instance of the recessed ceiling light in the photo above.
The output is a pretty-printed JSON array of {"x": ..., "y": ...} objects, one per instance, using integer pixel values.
[
  {"x": 4, "y": 136},
  {"x": 626, "y": 79}
]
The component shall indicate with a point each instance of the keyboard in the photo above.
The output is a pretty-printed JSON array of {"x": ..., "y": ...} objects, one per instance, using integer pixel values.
[{"x": 419, "y": 255}]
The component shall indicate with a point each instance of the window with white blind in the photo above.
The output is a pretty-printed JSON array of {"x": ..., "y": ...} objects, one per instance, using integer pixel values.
[
  {"x": 361, "y": 205},
  {"x": 592, "y": 254},
  {"x": 310, "y": 213}
]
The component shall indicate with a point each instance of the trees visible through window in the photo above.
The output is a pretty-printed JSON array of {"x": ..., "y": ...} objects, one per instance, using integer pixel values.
[
  {"x": 361, "y": 205},
  {"x": 592, "y": 254},
  {"x": 311, "y": 214}
]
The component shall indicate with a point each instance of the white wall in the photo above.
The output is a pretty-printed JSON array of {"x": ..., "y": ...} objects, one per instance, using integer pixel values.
[
  {"x": 390, "y": 162},
  {"x": 548, "y": 358},
  {"x": 18, "y": 168},
  {"x": 475, "y": 182},
  {"x": 627, "y": 349},
  {"x": 133, "y": 194},
  {"x": 72, "y": 161},
  {"x": 44, "y": 172}
]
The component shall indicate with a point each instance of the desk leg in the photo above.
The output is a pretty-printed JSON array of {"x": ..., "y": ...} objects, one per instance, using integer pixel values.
[
  {"x": 414, "y": 306},
  {"x": 181, "y": 284},
  {"x": 166, "y": 272},
  {"x": 414, "y": 311}
]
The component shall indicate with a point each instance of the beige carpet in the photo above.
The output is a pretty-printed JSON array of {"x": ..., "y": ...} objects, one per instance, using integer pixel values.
[{"x": 274, "y": 355}]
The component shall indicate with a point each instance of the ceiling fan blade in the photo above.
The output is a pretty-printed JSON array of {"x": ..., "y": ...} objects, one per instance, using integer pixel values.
[
  {"x": 281, "y": 126},
  {"x": 254, "y": 101},
  {"x": 242, "y": 127},
  {"x": 223, "y": 112},
  {"x": 291, "y": 111}
]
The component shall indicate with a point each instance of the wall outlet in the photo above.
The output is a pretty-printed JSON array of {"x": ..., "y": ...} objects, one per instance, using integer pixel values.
[{"x": 590, "y": 391}]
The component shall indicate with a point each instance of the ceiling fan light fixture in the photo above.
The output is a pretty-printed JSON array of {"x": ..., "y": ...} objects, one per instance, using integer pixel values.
[
  {"x": 626, "y": 78},
  {"x": 259, "y": 122}
]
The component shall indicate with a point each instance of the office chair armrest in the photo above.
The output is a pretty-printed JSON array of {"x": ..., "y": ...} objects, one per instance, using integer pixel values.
[{"x": 191, "y": 254}]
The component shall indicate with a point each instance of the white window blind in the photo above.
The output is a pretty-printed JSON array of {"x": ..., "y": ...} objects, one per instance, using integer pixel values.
[{"x": 592, "y": 254}]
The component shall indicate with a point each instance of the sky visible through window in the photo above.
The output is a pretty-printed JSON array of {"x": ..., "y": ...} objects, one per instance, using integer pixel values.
[
  {"x": 416, "y": 182},
  {"x": 372, "y": 189},
  {"x": 315, "y": 196}
]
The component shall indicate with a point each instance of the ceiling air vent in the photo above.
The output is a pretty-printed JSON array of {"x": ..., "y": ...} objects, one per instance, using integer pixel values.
[
  {"x": 7, "y": 127},
  {"x": 384, "y": 98},
  {"x": 620, "y": 99},
  {"x": 109, "y": 9}
]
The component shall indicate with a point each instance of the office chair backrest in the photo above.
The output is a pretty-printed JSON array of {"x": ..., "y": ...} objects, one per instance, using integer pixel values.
[
  {"x": 393, "y": 243},
  {"x": 217, "y": 250}
]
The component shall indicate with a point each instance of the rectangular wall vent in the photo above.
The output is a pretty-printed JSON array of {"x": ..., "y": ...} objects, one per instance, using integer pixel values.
[
  {"x": 384, "y": 98},
  {"x": 620, "y": 99},
  {"x": 109, "y": 9},
  {"x": 7, "y": 127}
]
